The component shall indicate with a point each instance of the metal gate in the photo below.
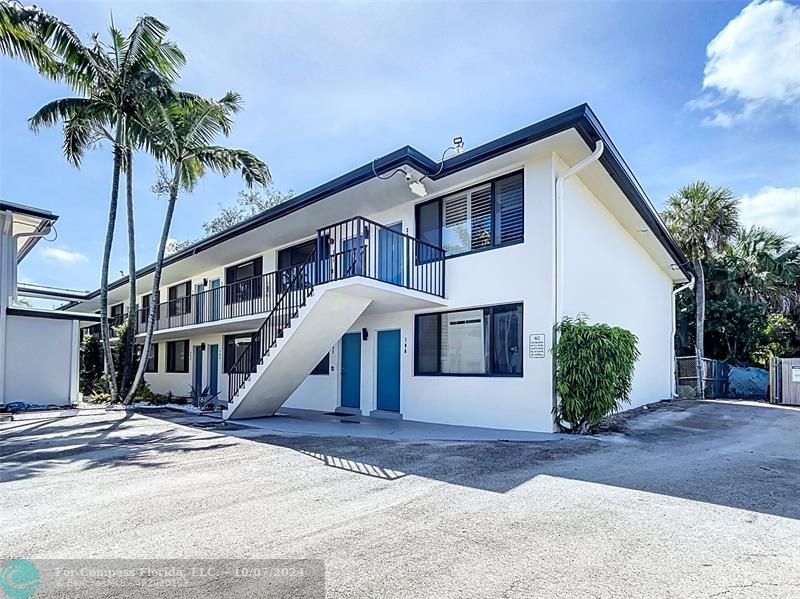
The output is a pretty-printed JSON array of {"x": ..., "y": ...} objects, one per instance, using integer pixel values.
[
  {"x": 715, "y": 377},
  {"x": 785, "y": 381}
]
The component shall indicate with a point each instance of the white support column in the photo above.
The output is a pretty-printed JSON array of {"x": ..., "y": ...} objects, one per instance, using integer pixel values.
[{"x": 74, "y": 363}]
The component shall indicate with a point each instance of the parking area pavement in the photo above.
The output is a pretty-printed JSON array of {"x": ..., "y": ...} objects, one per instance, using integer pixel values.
[{"x": 690, "y": 499}]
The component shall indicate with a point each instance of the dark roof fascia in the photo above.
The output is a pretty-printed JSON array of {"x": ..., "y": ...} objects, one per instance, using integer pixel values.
[
  {"x": 592, "y": 130},
  {"x": 28, "y": 210},
  {"x": 51, "y": 314},
  {"x": 581, "y": 118}
]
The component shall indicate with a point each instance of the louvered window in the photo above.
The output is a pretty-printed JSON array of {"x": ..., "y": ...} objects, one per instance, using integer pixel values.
[
  {"x": 509, "y": 210},
  {"x": 491, "y": 214}
]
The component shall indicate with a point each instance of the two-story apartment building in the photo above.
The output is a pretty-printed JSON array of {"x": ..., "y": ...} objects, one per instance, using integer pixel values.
[{"x": 422, "y": 289}]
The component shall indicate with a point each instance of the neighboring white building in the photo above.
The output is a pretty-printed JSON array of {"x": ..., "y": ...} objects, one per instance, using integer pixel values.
[
  {"x": 438, "y": 308},
  {"x": 39, "y": 349}
]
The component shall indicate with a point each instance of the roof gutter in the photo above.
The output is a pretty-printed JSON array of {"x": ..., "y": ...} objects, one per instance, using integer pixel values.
[{"x": 558, "y": 242}]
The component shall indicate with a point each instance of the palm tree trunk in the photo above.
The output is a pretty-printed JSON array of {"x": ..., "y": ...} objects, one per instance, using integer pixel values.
[
  {"x": 700, "y": 315},
  {"x": 105, "y": 329},
  {"x": 162, "y": 246},
  {"x": 131, "y": 332}
]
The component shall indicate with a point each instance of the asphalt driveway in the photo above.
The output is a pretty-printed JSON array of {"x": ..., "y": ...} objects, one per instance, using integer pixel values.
[{"x": 687, "y": 500}]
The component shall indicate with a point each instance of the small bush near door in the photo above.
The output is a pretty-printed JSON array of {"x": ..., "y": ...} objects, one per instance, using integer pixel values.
[{"x": 594, "y": 371}]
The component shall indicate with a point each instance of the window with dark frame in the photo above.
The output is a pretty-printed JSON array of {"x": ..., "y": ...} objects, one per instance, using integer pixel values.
[
  {"x": 117, "y": 310},
  {"x": 180, "y": 301},
  {"x": 235, "y": 347},
  {"x": 243, "y": 281},
  {"x": 323, "y": 367},
  {"x": 487, "y": 215},
  {"x": 292, "y": 257},
  {"x": 144, "y": 313},
  {"x": 178, "y": 356},
  {"x": 475, "y": 342},
  {"x": 152, "y": 359}
]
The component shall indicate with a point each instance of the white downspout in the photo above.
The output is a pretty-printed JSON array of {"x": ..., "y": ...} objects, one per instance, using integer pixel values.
[
  {"x": 5, "y": 279},
  {"x": 675, "y": 293},
  {"x": 557, "y": 241}
]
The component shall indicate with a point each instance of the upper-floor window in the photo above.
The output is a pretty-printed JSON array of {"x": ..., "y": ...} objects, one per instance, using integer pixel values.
[
  {"x": 484, "y": 216},
  {"x": 117, "y": 310},
  {"x": 292, "y": 257},
  {"x": 180, "y": 299},
  {"x": 144, "y": 313},
  {"x": 243, "y": 281}
]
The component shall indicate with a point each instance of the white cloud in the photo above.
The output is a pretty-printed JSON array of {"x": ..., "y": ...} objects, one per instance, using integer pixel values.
[
  {"x": 63, "y": 255},
  {"x": 753, "y": 63},
  {"x": 775, "y": 207}
]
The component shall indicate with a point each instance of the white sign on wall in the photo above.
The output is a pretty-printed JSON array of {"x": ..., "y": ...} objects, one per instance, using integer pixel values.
[
  {"x": 796, "y": 374},
  {"x": 536, "y": 345}
]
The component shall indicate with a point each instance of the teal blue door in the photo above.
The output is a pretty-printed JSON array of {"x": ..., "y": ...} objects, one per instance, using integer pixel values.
[
  {"x": 198, "y": 368},
  {"x": 351, "y": 370},
  {"x": 213, "y": 369},
  {"x": 390, "y": 254},
  {"x": 389, "y": 370}
]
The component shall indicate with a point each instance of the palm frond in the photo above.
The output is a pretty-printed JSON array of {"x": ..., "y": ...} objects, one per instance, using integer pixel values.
[
  {"x": 64, "y": 109},
  {"x": 225, "y": 160}
]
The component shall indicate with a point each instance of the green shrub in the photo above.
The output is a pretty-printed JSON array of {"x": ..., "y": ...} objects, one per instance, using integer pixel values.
[
  {"x": 594, "y": 371},
  {"x": 91, "y": 364}
]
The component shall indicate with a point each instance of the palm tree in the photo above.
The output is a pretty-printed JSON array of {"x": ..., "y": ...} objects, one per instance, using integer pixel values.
[
  {"x": 125, "y": 80},
  {"x": 183, "y": 136},
  {"x": 702, "y": 218},
  {"x": 764, "y": 267},
  {"x": 32, "y": 35}
]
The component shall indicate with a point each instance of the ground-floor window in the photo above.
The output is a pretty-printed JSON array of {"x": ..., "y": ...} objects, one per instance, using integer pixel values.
[
  {"x": 152, "y": 359},
  {"x": 476, "y": 342},
  {"x": 235, "y": 347},
  {"x": 178, "y": 356},
  {"x": 324, "y": 365}
]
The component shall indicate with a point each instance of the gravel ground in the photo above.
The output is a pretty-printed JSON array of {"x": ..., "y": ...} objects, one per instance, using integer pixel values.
[{"x": 688, "y": 499}]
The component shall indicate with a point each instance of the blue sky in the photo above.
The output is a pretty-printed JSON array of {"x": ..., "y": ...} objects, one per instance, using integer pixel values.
[{"x": 328, "y": 86}]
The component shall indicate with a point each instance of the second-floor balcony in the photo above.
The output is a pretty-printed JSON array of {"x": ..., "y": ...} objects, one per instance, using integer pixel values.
[{"x": 357, "y": 247}]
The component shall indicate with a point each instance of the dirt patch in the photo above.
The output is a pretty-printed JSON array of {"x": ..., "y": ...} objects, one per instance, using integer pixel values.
[{"x": 622, "y": 421}]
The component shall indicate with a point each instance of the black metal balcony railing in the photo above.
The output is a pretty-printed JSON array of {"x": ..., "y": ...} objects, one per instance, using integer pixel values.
[
  {"x": 357, "y": 247},
  {"x": 255, "y": 295}
]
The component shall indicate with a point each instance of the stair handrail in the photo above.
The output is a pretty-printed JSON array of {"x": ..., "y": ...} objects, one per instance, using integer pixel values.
[{"x": 237, "y": 380}]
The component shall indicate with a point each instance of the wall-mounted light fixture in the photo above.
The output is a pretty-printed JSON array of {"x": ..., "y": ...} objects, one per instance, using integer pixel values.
[{"x": 364, "y": 334}]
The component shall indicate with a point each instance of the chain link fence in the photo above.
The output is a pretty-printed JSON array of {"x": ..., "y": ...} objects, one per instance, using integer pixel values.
[{"x": 720, "y": 380}]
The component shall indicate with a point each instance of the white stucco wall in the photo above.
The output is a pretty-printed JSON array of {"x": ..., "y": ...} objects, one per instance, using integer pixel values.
[
  {"x": 518, "y": 273},
  {"x": 41, "y": 365},
  {"x": 608, "y": 276}
]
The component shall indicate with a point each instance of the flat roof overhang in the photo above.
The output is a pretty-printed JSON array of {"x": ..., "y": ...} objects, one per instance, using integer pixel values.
[{"x": 83, "y": 318}]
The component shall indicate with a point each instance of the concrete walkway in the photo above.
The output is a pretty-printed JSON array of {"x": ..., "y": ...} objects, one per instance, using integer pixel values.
[{"x": 289, "y": 421}]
